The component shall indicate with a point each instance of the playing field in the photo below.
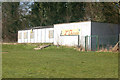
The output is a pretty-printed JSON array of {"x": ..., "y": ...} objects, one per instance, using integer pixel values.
[{"x": 22, "y": 61}]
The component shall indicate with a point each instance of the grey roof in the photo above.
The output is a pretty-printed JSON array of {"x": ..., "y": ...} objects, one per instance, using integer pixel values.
[
  {"x": 41, "y": 27},
  {"x": 38, "y": 27}
]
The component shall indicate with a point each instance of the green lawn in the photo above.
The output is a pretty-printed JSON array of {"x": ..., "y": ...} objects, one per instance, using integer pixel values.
[{"x": 22, "y": 61}]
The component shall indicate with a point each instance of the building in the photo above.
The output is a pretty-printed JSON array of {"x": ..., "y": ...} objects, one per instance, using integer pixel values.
[
  {"x": 36, "y": 35},
  {"x": 88, "y": 34}
]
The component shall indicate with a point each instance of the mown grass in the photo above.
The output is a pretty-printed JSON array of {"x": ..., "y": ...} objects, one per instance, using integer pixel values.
[{"x": 22, "y": 61}]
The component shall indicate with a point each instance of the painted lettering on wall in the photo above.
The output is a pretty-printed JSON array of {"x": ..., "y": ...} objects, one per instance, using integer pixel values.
[{"x": 70, "y": 32}]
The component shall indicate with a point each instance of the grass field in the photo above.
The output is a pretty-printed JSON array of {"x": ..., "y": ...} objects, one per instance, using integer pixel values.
[{"x": 22, "y": 61}]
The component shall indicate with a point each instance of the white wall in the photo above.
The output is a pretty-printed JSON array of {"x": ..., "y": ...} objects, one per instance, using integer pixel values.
[
  {"x": 49, "y": 40},
  {"x": 23, "y": 39},
  {"x": 85, "y": 29},
  {"x": 20, "y": 40},
  {"x": 29, "y": 40},
  {"x": 40, "y": 36}
]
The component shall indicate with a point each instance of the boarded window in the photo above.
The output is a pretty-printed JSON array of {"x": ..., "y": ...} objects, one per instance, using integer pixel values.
[
  {"x": 31, "y": 35},
  {"x": 19, "y": 35},
  {"x": 25, "y": 35},
  {"x": 51, "y": 34}
]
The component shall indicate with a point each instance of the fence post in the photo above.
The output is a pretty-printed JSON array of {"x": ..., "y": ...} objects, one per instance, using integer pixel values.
[
  {"x": 78, "y": 40},
  {"x": 119, "y": 43},
  {"x": 85, "y": 44},
  {"x": 96, "y": 42},
  {"x": 119, "y": 37}
]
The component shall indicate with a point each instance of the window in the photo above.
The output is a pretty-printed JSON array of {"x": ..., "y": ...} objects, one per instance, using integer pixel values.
[
  {"x": 19, "y": 35},
  {"x": 31, "y": 35},
  {"x": 51, "y": 34},
  {"x": 25, "y": 35}
]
